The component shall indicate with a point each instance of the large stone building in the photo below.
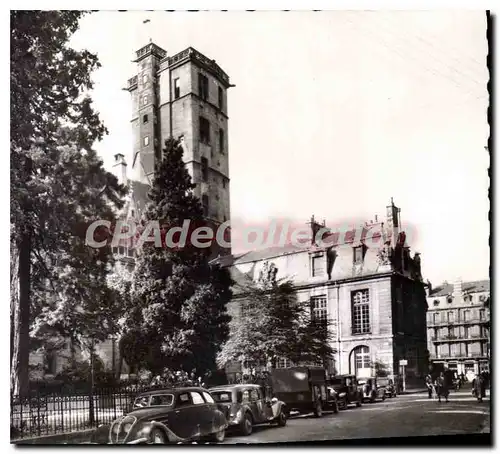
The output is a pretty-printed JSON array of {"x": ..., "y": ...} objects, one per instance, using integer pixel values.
[
  {"x": 373, "y": 296},
  {"x": 458, "y": 326}
]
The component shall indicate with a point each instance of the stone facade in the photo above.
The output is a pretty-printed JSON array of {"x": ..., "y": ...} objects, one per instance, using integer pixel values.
[
  {"x": 185, "y": 97},
  {"x": 384, "y": 280},
  {"x": 458, "y": 326}
]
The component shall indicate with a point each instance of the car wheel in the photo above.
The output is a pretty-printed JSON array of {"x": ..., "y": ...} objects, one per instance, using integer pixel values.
[
  {"x": 281, "y": 419},
  {"x": 383, "y": 397},
  {"x": 335, "y": 407},
  {"x": 318, "y": 409},
  {"x": 358, "y": 403},
  {"x": 158, "y": 437},
  {"x": 246, "y": 425},
  {"x": 344, "y": 404},
  {"x": 219, "y": 436}
]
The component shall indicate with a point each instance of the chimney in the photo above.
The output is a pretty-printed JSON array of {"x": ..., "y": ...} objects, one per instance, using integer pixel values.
[
  {"x": 428, "y": 288},
  {"x": 457, "y": 289},
  {"x": 120, "y": 168}
]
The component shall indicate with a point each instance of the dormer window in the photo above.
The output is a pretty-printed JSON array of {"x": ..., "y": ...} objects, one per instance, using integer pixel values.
[
  {"x": 318, "y": 265},
  {"x": 436, "y": 302},
  {"x": 358, "y": 254},
  {"x": 449, "y": 299}
]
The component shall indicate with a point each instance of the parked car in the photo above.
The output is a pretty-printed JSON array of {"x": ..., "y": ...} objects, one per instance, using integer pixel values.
[
  {"x": 346, "y": 388},
  {"x": 371, "y": 389},
  {"x": 167, "y": 416},
  {"x": 389, "y": 385},
  {"x": 304, "y": 389},
  {"x": 247, "y": 405}
]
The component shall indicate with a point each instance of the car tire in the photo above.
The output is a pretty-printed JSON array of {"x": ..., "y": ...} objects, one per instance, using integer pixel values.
[
  {"x": 358, "y": 403},
  {"x": 344, "y": 404},
  {"x": 318, "y": 409},
  {"x": 383, "y": 397},
  {"x": 158, "y": 437},
  {"x": 281, "y": 419},
  {"x": 246, "y": 425},
  {"x": 218, "y": 437}
]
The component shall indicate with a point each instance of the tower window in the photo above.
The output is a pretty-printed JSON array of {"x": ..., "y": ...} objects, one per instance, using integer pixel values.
[
  {"x": 177, "y": 88},
  {"x": 145, "y": 99},
  {"x": 144, "y": 78},
  {"x": 221, "y": 140},
  {"x": 204, "y": 131},
  {"x": 204, "y": 169},
  {"x": 224, "y": 183},
  {"x": 221, "y": 98},
  {"x": 144, "y": 118},
  {"x": 204, "y": 201},
  {"x": 203, "y": 86},
  {"x": 146, "y": 141}
]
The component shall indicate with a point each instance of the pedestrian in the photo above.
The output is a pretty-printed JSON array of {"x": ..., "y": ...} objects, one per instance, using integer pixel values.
[
  {"x": 442, "y": 388},
  {"x": 479, "y": 388},
  {"x": 430, "y": 387}
]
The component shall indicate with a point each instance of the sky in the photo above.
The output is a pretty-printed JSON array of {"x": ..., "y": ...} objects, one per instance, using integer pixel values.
[{"x": 334, "y": 113}]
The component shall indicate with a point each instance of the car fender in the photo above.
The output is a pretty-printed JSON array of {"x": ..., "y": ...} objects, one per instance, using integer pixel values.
[
  {"x": 172, "y": 437},
  {"x": 219, "y": 422},
  {"x": 277, "y": 408}
]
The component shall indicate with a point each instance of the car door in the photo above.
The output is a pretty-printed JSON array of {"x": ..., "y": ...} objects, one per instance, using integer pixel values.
[
  {"x": 180, "y": 418},
  {"x": 258, "y": 405},
  {"x": 200, "y": 414}
]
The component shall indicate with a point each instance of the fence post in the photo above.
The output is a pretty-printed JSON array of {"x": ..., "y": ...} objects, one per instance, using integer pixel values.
[{"x": 39, "y": 429}]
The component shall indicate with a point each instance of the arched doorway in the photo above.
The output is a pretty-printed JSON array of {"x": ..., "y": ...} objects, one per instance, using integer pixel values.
[{"x": 360, "y": 361}]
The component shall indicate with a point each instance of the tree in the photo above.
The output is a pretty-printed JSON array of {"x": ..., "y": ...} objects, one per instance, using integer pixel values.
[
  {"x": 52, "y": 122},
  {"x": 182, "y": 299},
  {"x": 274, "y": 324}
]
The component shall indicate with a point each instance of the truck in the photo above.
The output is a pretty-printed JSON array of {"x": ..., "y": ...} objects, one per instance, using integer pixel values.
[{"x": 303, "y": 389}]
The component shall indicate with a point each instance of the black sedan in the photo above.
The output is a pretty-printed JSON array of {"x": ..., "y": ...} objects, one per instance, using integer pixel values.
[{"x": 178, "y": 415}]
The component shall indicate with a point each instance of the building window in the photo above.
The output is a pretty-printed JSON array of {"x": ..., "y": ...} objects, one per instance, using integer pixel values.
[
  {"x": 451, "y": 317},
  {"x": 177, "y": 88},
  {"x": 146, "y": 141},
  {"x": 362, "y": 358},
  {"x": 436, "y": 302},
  {"x": 360, "y": 312},
  {"x": 144, "y": 78},
  {"x": 204, "y": 169},
  {"x": 132, "y": 213},
  {"x": 466, "y": 316},
  {"x": 318, "y": 266},
  {"x": 481, "y": 314},
  {"x": 223, "y": 182},
  {"x": 221, "y": 98},
  {"x": 221, "y": 141},
  {"x": 319, "y": 311},
  {"x": 145, "y": 99},
  {"x": 204, "y": 131},
  {"x": 358, "y": 254},
  {"x": 449, "y": 299},
  {"x": 203, "y": 86},
  {"x": 145, "y": 118},
  {"x": 466, "y": 332},
  {"x": 204, "y": 201},
  {"x": 50, "y": 363},
  {"x": 436, "y": 317}
]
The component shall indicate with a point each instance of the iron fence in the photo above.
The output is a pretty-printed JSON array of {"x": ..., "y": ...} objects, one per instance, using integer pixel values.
[{"x": 67, "y": 411}]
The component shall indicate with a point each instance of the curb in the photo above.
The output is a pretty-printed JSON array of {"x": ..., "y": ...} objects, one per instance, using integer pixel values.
[{"x": 66, "y": 438}]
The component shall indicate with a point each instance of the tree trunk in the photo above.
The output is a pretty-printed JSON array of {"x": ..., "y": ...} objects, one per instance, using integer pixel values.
[
  {"x": 21, "y": 321},
  {"x": 91, "y": 389}
]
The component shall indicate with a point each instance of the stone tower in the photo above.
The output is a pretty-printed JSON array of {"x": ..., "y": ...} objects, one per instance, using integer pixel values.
[{"x": 185, "y": 97}]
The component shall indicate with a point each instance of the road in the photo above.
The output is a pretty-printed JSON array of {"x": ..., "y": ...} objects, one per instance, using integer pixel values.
[{"x": 403, "y": 416}]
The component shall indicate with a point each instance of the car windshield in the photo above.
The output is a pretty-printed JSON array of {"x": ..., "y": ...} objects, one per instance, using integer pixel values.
[
  {"x": 141, "y": 401},
  {"x": 222, "y": 396},
  {"x": 162, "y": 399},
  {"x": 336, "y": 381}
]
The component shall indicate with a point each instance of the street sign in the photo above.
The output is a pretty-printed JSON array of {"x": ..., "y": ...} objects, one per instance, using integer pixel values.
[{"x": 403, "y": 362}]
